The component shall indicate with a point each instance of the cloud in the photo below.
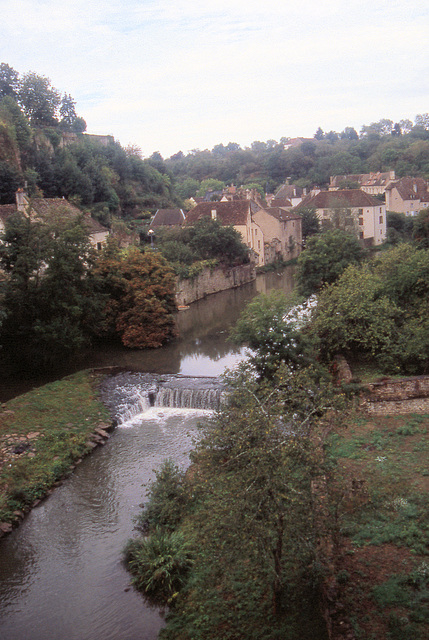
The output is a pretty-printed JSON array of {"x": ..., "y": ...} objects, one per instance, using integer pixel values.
[{"x": 170, "y": 74}]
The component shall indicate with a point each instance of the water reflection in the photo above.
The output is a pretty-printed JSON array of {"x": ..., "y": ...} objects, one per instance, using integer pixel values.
[{"x": 202, "y": 340}]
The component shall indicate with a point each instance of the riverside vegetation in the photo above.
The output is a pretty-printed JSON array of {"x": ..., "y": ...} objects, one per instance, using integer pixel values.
[
  {"x": 233, "y": 547},
  {"x": 43, "y": 435}
]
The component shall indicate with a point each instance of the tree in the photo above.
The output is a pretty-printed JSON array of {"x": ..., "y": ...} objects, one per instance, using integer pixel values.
[
  {"x": 213, "y": 240},
  {"x": 8, "y": 81},
  {"x": 39, "y": 99},
  {"x": 248, "y": 520},
  {"x": 325, "y": 258},
  {"x": 380, "y": 310},
  {"x": 67, "y": 112},
  {"x": 140, "y": 289},
  {"x": 349, "y": 133},
  {"x": 422, "y": 120},
  {"x": 50, "y": 303},
  {"x": 421, "y": 228},
  {"x": 319, "y": 135},
  {"x": 310, "y": 222},
  {"x": 10, "y": 179},
  {"x": 270, "y": 327}
]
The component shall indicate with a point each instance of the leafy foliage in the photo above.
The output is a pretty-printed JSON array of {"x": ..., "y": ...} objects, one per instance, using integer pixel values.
[
  {"x": 140, "y": 289},
  {"x": 381, "y": 309},
  {"x": 324, "y": 259},
  {"x": 273, "y": 334},
  {"x": 49, "y": 300}
]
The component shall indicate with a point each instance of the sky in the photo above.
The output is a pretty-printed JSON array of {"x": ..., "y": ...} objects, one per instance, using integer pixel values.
[{"x": 178, "y": 75}]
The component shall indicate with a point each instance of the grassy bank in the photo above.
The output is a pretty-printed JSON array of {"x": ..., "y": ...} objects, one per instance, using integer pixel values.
[
  {"x": 43, "y": 435},
  {"x": 379, "y": 500}
]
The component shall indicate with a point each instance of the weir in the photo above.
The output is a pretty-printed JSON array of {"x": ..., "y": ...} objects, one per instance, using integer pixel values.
[{"x": 129, "y": 394}]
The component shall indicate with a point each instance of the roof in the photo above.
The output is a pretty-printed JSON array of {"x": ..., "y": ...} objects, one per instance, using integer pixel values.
[
  {"x": 6, "y": 210},
  {"x": 233, "y": 212},
  {"x": 363, "y": 179},
  {"x": 168, "y": 218},
  {"x": 281, "y": 214},
  {"x": 411, "y": 188},
  {"x": 338, "y": 199},
  {"x": 280, "y": 202},
  {"x": 45, "y": 207},
  {"x": 289, "y": 191}
]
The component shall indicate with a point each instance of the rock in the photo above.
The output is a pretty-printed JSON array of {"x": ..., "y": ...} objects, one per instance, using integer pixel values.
[
  {"x": 18, "y": 514},
  {"x": 5, "y": 527},
  {"x": 101, "y": 432}
]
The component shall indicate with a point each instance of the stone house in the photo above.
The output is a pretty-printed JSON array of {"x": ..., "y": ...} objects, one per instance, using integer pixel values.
[
  {"x": 51, "y": 208},
  {"x": 352, "y": 210},
  {"x": 407, "y": 195},
  {"x": 282, "y": 233},
  {"x": 268, "y": 234}
]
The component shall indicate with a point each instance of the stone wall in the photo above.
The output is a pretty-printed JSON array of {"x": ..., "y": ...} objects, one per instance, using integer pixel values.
[
  {"x": 211, "y": 281},
  {"x": 408, "y": 395}
]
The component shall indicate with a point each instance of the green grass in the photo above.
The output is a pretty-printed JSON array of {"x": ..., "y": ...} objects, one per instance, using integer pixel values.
[{"x": 63, "y": 414}]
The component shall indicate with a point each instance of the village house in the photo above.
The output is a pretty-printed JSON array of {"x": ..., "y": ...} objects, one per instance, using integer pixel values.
[
  {"x": 287, "y": 193},
  {"x": 168, "y": 218},
  {"x": 269, "y": 234},
  {"x": 373, "y": 183},
  {"x": 351, "y": 210},
  {"x": 282, "y": 232},
  {"x": 44, "y": 208},
  {"x": 407, "y": 195}
]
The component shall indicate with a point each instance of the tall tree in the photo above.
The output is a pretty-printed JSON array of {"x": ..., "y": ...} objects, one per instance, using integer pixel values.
[
  {"x": 8, "y": 81},
  {"x": 39, "y": 99}
]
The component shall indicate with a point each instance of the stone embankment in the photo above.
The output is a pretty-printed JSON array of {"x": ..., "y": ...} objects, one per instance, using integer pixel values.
[
  {"x": 212, "y": 280},
  {"x": 14, "y": 446}
]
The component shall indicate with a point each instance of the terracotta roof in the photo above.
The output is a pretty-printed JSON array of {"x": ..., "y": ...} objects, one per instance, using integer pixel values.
[
  {"x": 411, "y": 189},
  {"x": 233, "y": 212},
  {"x": 168, "y": 218},
  {"x": 338, "y": 199}
]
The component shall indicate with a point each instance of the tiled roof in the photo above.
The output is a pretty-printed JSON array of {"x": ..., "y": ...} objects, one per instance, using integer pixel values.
[
  {"x": 280, "y": 202},
  {"x": 45, "y": 207},
  {"x": 281, "y": 214},
  {"x": 289, "y": 191},
  {"x": 227, "y": 213},
  {"x": 168, "y": 218},
  {"x": 411, "y": 189},
  {"x": 6, "y": 210},
  {"x": 338, "y": 199},
  {"x": 364, "y": 179}
]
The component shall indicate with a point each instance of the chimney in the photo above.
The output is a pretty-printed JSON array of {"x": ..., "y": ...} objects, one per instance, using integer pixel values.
[{"x": 21, "y": 200}]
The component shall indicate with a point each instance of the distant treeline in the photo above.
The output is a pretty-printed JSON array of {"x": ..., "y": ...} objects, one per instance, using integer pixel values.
[{"x": 110, "y": 180}]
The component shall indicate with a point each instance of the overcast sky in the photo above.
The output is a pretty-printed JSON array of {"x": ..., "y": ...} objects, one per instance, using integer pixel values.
[{"x": 170, "y": 75}]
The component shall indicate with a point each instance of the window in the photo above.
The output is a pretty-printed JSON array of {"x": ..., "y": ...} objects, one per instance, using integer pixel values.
[
  {"x": 360, "y": 212},
  {"x": 380, "y": 220},
  {"x": 99, "y": 246},
  {"x": 361, "y": 235},
  {"x": 361, "y": 221},
  {"x": 259, "y": 244}
]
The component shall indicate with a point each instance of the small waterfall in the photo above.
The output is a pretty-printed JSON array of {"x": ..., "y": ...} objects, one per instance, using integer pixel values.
[
  {"x": 129, "y": 394},
  {"x": 188, "y": 398}
]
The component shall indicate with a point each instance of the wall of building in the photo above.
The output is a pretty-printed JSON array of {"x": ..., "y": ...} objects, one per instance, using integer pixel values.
[{"x": 211, "y": 281}]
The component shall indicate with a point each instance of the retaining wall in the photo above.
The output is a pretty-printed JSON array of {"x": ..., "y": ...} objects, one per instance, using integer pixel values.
[{"x": 212, "y": 281}]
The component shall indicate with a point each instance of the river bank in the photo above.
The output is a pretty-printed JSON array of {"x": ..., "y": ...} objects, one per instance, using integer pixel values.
[{"x": 44, "y": 434}]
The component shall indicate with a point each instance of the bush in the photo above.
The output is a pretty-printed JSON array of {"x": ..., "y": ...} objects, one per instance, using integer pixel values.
[{"x": 159, "y": 565}]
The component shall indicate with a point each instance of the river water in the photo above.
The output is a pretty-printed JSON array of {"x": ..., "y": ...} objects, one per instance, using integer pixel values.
[{"x": 61, "y": 571}]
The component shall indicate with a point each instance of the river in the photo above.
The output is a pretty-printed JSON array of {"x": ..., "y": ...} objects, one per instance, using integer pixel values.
[{"x": 61, "y": 571}]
